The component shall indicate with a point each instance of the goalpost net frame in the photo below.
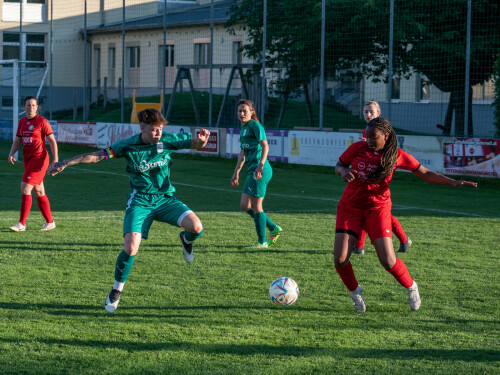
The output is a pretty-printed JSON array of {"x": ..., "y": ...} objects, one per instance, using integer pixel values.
[{"x": 16, "y": 80}]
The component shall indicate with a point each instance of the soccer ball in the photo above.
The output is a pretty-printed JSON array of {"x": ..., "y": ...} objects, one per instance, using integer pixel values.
[{"x": 284, "y": 291}]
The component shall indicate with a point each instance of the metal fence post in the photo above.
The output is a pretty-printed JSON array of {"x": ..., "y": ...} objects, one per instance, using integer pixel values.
[{"x": 467, "y": 68}]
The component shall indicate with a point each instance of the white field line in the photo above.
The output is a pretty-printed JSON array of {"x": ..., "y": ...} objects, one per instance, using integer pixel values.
[{"x": 394, "y": 207}]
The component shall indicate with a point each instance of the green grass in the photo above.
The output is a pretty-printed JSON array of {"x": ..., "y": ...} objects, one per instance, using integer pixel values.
[{"x": 214, "y": 316}]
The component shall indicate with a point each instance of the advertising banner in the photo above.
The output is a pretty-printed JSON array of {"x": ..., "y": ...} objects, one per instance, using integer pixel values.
[
  {"x": 212, "y": 146},
  {"x": 426, "y": 149},
  {"x": 317, "y": 148},
  {"x": 472, "y": 157},
  {"x": 82, "y": 133},
  {"x": 275, "y": 140}
]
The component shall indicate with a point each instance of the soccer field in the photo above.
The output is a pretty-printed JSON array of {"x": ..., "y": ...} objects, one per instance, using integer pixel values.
[{"x": 214, "y": 316}]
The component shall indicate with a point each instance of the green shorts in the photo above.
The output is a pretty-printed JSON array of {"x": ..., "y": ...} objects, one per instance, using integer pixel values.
[
  {"x": 257, "y": 188},
  {"x": 142, "y": 209}
]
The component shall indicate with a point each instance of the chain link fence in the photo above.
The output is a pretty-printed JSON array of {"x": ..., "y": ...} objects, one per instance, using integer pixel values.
[{"x": 429, "y": 64}]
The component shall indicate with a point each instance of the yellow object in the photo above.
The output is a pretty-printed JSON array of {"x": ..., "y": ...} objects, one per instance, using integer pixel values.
[{"x": 137, "y": 107}]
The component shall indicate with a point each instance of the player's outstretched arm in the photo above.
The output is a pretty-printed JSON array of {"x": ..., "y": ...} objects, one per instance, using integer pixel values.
[
  {"x": 91, "y": 157},
  {"x": 437, "y": 178},
  {"x": 201, "y": 140}
]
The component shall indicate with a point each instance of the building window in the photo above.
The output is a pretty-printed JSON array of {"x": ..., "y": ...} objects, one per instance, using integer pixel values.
[
  {"x": 97, "y": 64},
  {"x": 396, "y": 89},
  {"x": 33, "y": 10},
  {"x": 134, "y": 57},
  {"x": 202, "y": 53},
  {"x": 30, "y": 47},
  {"x": 134, "y": 64},
  {"x": 7, "y": 102},
  {"x": 169, "y": 56},
  {"x": 111, "y": 66},
  {"x": 237, "y": 54},
  {"x": 424, "y": 89}
]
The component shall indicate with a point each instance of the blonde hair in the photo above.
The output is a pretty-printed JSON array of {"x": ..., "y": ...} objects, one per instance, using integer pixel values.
[
  {"x": 250, "y": 105},
  {"x": 375, "y": 104}
]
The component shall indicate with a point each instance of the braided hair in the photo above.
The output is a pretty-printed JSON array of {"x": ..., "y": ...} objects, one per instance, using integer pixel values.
[
  {"x": 390, "y": 150},
  {"x": 250, "y": 105}
]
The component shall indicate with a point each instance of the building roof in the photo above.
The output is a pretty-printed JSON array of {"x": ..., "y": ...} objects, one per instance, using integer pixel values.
[{"x": 192, "y": 16}]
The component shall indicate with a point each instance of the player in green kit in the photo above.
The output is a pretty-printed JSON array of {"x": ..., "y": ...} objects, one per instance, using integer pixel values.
[
  {"x": 254, "y": 150},
  {"x": 152, "y": 196}
]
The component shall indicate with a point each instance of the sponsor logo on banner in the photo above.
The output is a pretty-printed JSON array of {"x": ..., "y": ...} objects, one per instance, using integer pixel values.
[
  {"x": 83, "y": 133},
  {"x": 472, "y": 156}
]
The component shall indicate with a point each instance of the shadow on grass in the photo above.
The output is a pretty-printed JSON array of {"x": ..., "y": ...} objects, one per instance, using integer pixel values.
[{"x": 462, "y": 355}]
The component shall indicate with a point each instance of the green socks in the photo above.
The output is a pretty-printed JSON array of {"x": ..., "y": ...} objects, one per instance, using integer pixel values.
[
  {"x": 260, "y": 225},
  {"x": 123, "y": 266},
  {"x": 190, "y": 237},
  {"x": 269, "y": 222}
]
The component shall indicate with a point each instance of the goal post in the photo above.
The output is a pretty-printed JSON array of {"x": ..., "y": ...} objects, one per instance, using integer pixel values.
[{"x": 15, "y": 73}]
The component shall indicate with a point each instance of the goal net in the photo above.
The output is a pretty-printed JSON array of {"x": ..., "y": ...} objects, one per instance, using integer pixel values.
[{"x": 18, "y": 78}]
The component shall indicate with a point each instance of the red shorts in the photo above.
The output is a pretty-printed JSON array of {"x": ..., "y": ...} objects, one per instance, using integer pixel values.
[
  {"x": 35, "y": 169},
  {"x": 376, "y": 222}
]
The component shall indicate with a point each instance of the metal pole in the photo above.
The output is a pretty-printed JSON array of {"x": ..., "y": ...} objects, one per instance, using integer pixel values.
[
  {"x": 322, "y": 74},
  {"x": 22, "y": 41},
  {"x": 467, "y": 67},
  {"x": 51, "y": 55},
  {"x": 211, "y": 61},
  {"x": 164, "y": 58},
  {"x": 122, "y": 88},
  {"x": 85, "y": 63},
  {"x": 391, "y": 42},
  {"x": 263, "y": 88},
  {"x": 15, "y": 100}
]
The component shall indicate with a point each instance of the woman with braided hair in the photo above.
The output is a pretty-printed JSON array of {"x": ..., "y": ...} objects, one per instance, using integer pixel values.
[{"x": 367, "y": 167}]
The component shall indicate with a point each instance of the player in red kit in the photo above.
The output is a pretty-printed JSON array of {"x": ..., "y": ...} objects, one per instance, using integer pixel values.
[
  {"x": 32, "y": 132},
  {"x": 371, "y": 110},
  {"x": 367, "y": 167}
]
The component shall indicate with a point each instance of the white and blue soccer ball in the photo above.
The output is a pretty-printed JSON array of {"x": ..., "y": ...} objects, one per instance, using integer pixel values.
[{"x": 284, "y": 291}]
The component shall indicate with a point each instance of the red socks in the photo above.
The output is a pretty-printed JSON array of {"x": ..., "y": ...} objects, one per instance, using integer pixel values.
[
  {"x": 398, "y": 231},
  {"x": 44, "y": 206},
  {"x": 347, "y": 276},
  {"x": 26, "y": 201},
  {"x": 401, "y": 274}
]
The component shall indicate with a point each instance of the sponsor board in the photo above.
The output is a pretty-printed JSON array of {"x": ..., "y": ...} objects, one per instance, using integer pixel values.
[
  {"x": 82, "y": 133},
  {"x": 472, "y": 157}
]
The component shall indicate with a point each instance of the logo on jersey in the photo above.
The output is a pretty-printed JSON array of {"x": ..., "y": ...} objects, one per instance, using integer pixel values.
[
  {"x": 145, "y": 166},
  {"x": 31, "y": 127},
  {"x": 159, "y": 148},
  {"x": 245, "y": 132},
  {"x": 361, "y": 165}
]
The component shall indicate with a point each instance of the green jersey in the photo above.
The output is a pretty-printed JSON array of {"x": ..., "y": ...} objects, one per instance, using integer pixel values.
[
  {"x": 251, "y": 134},
  {"x": 149, "y": 164}
]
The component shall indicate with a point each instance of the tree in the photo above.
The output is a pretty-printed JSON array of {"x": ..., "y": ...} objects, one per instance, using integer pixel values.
[
  {"x": 293, "y": 42},
  {"x": 429, "y": 38}
]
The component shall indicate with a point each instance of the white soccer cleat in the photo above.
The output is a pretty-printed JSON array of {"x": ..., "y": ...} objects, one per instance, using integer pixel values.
[
  {"x": 18, "y": 228},
  {"x": 357, "y": 299},
  {"x": 48, "y": 226},
  {"x": 414, "y": 296},
  {"x": 112, "y": 301}
]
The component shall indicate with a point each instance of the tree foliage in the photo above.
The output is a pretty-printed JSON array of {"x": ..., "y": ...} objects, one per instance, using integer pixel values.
[{"x": 429, "y": 38}]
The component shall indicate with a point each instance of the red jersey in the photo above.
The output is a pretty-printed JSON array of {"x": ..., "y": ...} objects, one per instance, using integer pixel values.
[
  {"x": 33, "y": 133},
  {"x": 364, "y": 160}
]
